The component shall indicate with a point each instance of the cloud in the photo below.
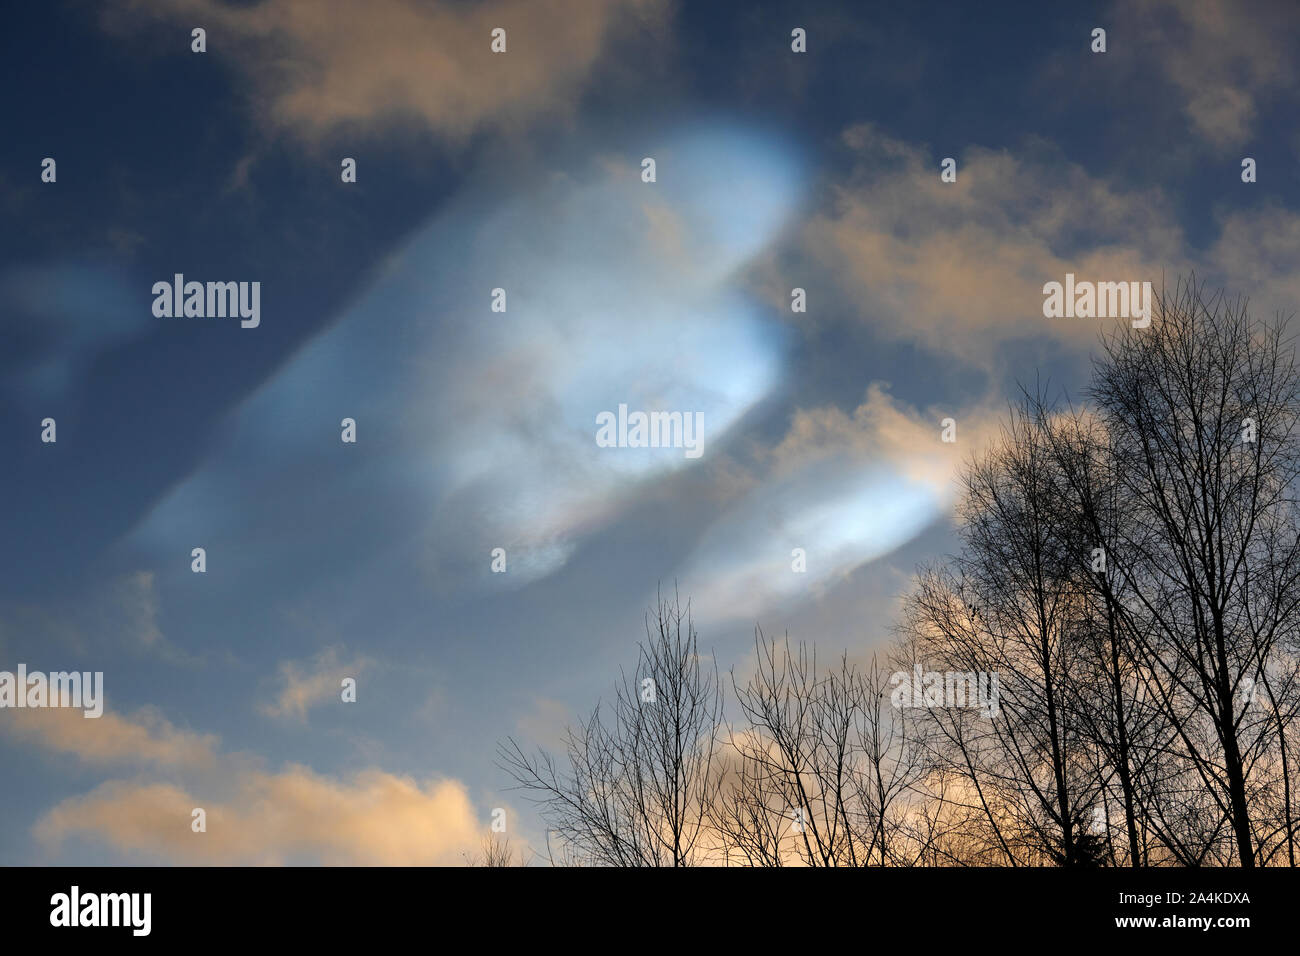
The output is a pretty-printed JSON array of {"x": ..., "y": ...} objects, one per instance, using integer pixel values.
[
  {"x": 1223, "y": 58},
  {"x": 482, "y": 425},
  {"x": 295, "y": 816},
  {"x": 547, "y": 723},
  {"x": 1255, "y": 255},
  {"x": 960, "y": 267},
  {"x": 844, "y": 488},
  {"x": 304, "y": 685},
  {"x": 140, "y": 605},
  {"x": 59, "y": 315},
  {"x": 144, "y": 739},
  {"x": 254, "y": 816},
  {"x": 117, "y": 613},
  {"x": 319, "y": 66}
]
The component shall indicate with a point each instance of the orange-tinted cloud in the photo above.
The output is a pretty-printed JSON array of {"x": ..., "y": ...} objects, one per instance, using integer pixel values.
[
  {"x": 253, "y": 815},
  {"x": 303, "y": 685},
  {"x": 960, "y": 267},
  {"x": 293, "y": 816},
  {"x": 144, "y": 739},
  {"x": 317, "y": 66}
]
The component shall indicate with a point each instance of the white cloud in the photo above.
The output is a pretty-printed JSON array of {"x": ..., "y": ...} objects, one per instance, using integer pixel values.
[
  {"x": 847, "y": 489},
  {"x": 618, "y": 291}
]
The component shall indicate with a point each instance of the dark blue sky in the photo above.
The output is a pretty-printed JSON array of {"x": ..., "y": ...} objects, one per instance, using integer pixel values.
[{"x": 521, "y": 170}]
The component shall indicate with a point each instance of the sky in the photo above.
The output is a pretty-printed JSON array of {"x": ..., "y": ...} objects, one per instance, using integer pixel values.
[{"x": 476, "y": 429}]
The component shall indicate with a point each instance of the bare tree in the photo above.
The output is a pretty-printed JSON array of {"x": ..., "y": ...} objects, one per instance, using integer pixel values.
[
  {"x": 496, "y": 852},
  {"x": 1009, "y": 604},
  {"x": 826, "y": 763},
  {"x": 1202, "y": 411},
  {"x": 1114, "y": 704},
  {"x": 637, "y": 780}
]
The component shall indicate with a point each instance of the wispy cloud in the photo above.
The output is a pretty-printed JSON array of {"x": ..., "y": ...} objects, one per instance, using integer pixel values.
[
  {"x": 304, "y": 685},
  {"x": 841, "y": 488},
  {"x": 142, "y": 740},
  {"x": 960, "y": 267},
  {"x": 316, "y": 67},
  {"x": 1225, "y": 59}
]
